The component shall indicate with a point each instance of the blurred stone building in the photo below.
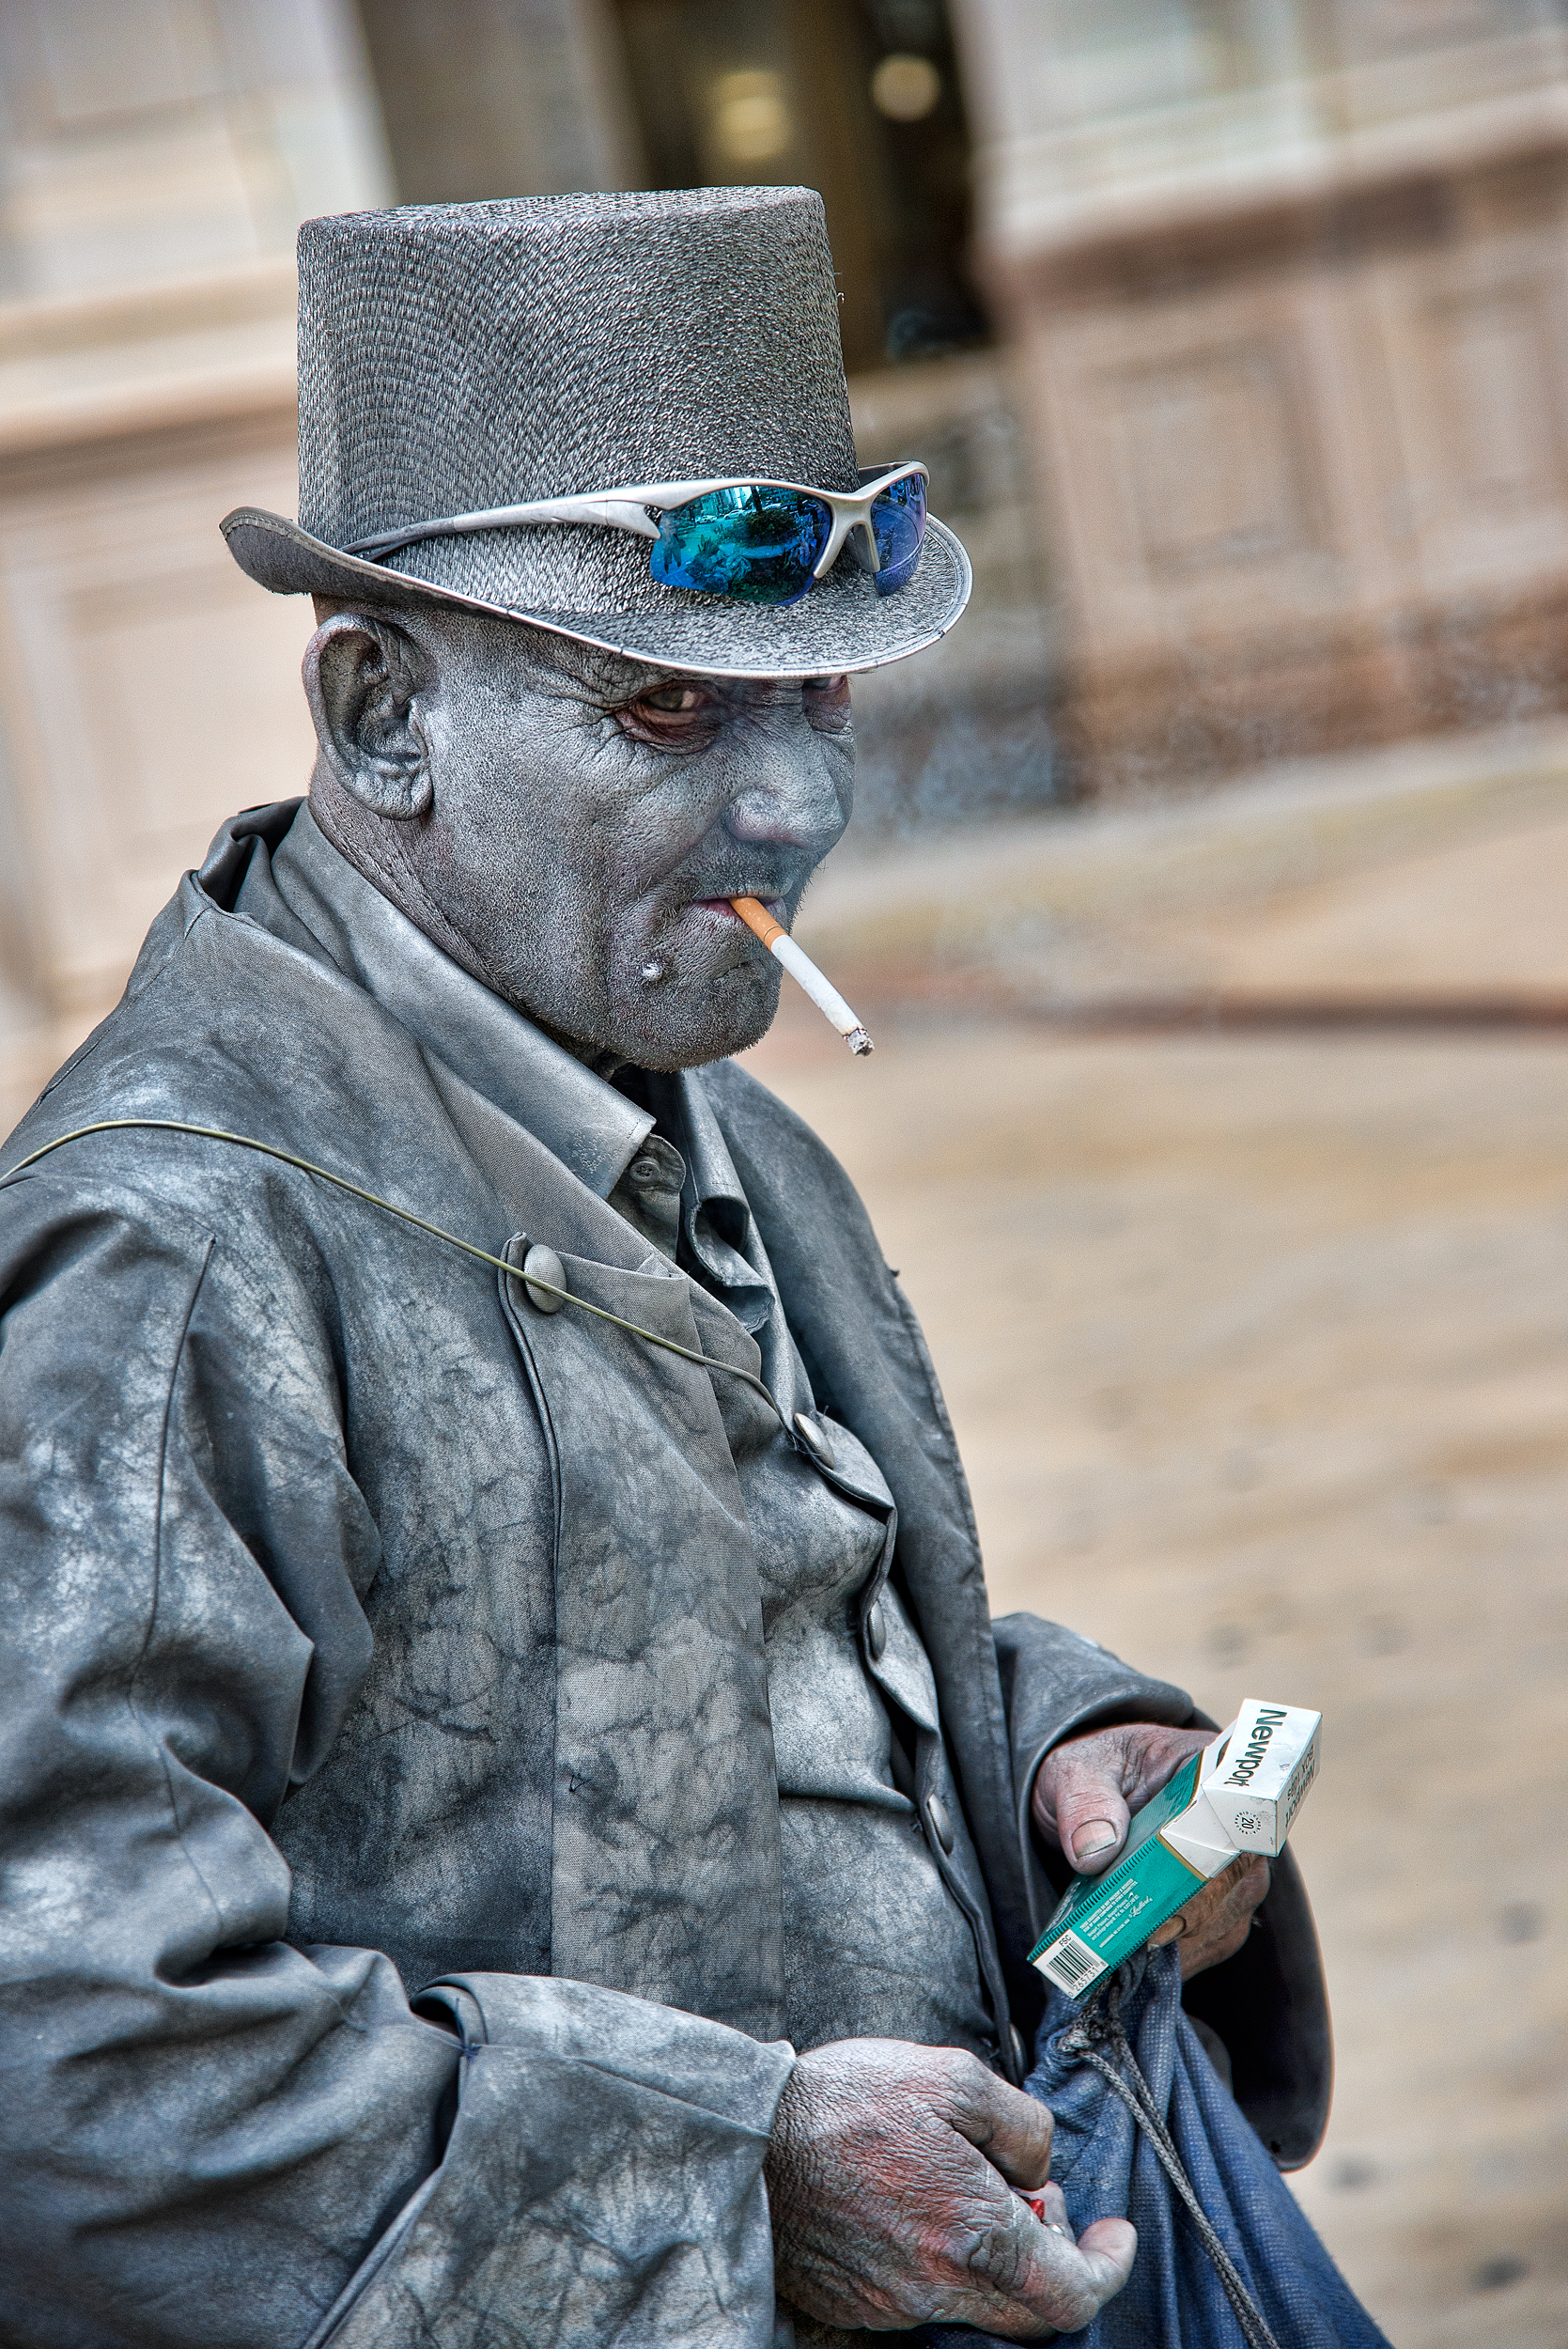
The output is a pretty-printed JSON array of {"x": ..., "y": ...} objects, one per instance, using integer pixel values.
[
  {"x": 1288, "y": 284},
  {"x": 1270, "y": 454},
  {"x": 155, "y": 159}
]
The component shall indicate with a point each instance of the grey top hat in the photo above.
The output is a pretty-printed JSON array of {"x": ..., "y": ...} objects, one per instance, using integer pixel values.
[{"x": 456, "y": 358}]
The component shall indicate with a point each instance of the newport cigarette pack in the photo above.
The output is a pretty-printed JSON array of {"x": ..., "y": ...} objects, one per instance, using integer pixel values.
[
  {"x": 1267, "y": 1761},
  {"x": 1241, "y": 1794}
]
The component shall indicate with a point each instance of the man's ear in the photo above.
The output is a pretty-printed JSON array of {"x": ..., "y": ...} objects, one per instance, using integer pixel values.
[{"x": 362, "y": 678}]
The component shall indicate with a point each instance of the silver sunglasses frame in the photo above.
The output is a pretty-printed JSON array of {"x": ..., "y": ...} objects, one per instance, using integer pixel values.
[{"x": 626, "y": 508}]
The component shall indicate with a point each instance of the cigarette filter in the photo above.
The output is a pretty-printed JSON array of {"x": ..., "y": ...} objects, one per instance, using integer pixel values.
[
  {"x": 803, "y": 971},
  {"x": 1182, "y": 1838}
]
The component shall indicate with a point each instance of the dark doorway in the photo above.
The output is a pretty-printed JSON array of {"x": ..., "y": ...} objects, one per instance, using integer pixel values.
[{"x": 858, "y": 98}]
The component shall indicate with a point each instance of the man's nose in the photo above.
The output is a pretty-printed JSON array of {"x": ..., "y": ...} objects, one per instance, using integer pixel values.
[{"x": 791, "y": 788}]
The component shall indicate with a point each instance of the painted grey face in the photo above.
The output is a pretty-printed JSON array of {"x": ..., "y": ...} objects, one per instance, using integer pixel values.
[{"x": 569, "y": 825}]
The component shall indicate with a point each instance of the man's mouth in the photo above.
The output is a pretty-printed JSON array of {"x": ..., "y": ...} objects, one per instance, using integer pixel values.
[{"x": 725, "y": 909}]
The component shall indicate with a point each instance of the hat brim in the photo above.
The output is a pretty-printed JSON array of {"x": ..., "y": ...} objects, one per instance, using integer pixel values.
[{"x": 842, "y": 625}]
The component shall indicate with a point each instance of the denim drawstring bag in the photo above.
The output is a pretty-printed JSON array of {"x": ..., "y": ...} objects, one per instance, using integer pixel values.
[{"x": 1146, "y": 2130}]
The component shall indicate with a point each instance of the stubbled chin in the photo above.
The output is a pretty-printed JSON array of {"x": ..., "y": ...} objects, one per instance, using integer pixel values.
[{"x": 693, "y": 1027}]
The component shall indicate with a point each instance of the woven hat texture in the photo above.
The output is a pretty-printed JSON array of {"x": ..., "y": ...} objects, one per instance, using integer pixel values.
[{"x": 454, "y": 358}]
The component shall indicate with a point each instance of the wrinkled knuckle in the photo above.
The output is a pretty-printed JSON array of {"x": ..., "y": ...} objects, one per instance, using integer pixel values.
[
  {"x": 997, "y": 2258},
  {"x": 963, "y": 2075},
  {"x": 973, "y": 2075}
]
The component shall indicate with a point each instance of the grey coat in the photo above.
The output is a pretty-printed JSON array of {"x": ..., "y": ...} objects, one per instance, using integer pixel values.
[{"x": 368, "y": 1630}]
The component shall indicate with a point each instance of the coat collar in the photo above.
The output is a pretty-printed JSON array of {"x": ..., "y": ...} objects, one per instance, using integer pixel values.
[{"x": 350, "y": 925}]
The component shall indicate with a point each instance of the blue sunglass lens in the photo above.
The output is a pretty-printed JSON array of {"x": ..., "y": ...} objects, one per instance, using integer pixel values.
[
  {"x": 756, "y": 543},
  {"x": 898, "y": 525}
]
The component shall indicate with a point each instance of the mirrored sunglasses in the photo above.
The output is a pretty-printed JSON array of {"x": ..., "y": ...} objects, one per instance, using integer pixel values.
[{"x": 758, "y": 541}]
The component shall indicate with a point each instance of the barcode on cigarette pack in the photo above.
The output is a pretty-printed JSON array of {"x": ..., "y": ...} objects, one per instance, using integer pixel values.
[{"x": 1071, "y": 1964}]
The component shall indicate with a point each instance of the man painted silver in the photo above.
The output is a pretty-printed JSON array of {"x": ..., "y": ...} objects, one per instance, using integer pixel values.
[{"x": 379, "y": 1638}]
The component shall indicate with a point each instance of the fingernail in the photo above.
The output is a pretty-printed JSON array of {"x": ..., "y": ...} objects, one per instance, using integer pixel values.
[{"x": 1095, "y": 1835}]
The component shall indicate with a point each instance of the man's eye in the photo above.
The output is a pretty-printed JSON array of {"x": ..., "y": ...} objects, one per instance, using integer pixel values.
[
  {"x": 828, "y": 694},
  {"x": 675, "y": 701}
]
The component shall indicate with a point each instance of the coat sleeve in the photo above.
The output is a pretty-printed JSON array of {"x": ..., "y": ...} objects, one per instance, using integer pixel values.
[
  {"x": 211, "y": 2138},
  {"x": 1056, "y": 1684},
  {"x": 1268, "y": 2003}
]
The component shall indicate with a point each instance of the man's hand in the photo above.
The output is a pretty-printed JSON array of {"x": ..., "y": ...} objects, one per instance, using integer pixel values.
[
  {"x": 890, "y": 2179},
  {"x": 1085, "y": 1794},
  {"x": 1217, "y": 1920}
]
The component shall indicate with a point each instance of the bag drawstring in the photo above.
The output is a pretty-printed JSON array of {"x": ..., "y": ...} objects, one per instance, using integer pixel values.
[{"x": 1096, "y": 2025}]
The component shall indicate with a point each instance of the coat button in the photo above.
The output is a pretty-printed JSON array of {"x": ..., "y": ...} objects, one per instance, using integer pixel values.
[
  {"x": 543, "y": 1263},
  {"x": 648, "y": 1171},
  {"x": 875, "y": 1631},
  {"x": 941, "y": 1826},
  {"x": 815, "y": 1437}
]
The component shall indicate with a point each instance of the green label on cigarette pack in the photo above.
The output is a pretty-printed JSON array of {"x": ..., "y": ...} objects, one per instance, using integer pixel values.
[{"x": 1101, "y": 1919}]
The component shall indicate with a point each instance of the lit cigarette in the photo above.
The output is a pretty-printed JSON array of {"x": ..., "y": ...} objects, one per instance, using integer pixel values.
[{"x": 802, "y": 968}]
